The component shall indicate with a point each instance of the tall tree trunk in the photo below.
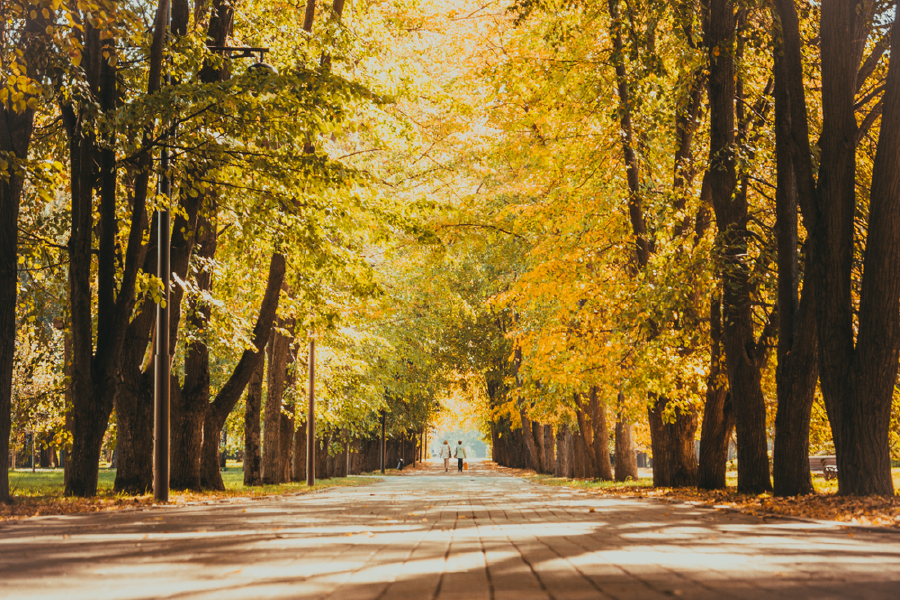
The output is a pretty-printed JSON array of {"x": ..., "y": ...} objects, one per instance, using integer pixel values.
[
  {"x": 15, "y": 140},
  {"x": 189, "y": 407},
  {"x": 580, "y": 456},
  {"x": 549, "y": 458},
  {"x": 660, "y": 443},
  {"x": 600, "y": 436},
  {"x": 857, "y": 376},
  {"x": 586, "y": 433},
  {"x": 134, "y": 398},
  {"x": 228, "y": 396},
  {"x": 745, "y": 356},
  {"x": 626, "y": 459},
  {"x": 718, "y": 417},
  {"x": 298, "y": 464},
  {"x": 674, "y": 463},
  {"x": 285, "y": 446},
  {"x": 252, "y": 410},
  {"x": 797, "y": 370},
  {"x": 279, "y": 346},
  {"x": 537, "y": 433},
  {"x": 563, "y": 437}
]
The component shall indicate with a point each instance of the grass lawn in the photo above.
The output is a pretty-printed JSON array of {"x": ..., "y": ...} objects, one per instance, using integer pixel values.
[{"x": 41, "y": 492}]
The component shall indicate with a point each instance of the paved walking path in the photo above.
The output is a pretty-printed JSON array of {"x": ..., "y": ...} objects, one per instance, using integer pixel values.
[{"x": 441, "y": 536}]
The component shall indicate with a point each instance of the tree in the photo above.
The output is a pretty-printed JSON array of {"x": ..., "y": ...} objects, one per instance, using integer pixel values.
[{"x": 858, "y": 336}]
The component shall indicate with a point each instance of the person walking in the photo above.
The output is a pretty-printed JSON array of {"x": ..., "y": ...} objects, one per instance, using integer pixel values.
[
  {"x": 460, "y": 455},
  {"x": 445, "y": 454}
]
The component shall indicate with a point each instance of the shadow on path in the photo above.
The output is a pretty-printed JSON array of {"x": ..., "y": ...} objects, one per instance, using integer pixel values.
[{"x": 431, "y": 534}]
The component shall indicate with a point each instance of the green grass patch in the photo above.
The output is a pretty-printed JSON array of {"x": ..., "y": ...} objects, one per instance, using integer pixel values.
[
  {"x": 590, "y": 484},
  {"x": 49, "y": 483}
]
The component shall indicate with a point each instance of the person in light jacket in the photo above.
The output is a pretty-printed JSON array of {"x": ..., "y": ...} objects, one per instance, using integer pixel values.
[
  {"x": 445, "y": 454},
  {"x": 460, "y": 455}
]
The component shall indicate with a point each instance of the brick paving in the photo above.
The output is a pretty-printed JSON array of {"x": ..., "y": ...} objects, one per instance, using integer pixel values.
[{"x": 441, "y": 536}]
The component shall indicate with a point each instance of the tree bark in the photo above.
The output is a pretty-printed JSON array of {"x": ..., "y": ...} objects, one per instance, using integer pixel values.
[
  {"x": 580, "y": 457},
  {"x": 549, "y": 458},
  {"x": 718, "y": 417},
  {"x": 600, "y": 437},
  {"x": 537, "y": 433},
  {"x": 298, "y": 466},
  {"x": 252, "y": 410},
  {"x": 189, "y": 407},
  {"x": 857, "y": 376},
  {"x": 626, "y": 459},
  {"x": 279, "y": 345},
  {"x": 563, "y": 438},
  {"x": 674, "y": 463},
  {"x": 285, "y": 446},
  {"x": 231, "y": 392},
  {"x": 745, "y": 356},
  {"x": 585, "y": 431},
  {"x": 16, "y": 130},
  {"x": 797, "y": 370}
]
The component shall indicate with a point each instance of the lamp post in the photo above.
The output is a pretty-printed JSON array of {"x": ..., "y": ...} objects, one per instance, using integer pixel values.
[
  {"x": 311, "y": 418},
  {"x": 383, "y": 420},
  {"x": 163, "y": 355}
]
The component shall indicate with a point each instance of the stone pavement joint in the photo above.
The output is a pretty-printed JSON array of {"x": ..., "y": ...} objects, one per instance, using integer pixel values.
[{"x": 441, "y": 536}]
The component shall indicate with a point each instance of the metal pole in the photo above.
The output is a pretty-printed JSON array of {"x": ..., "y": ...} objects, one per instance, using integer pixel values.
[
  {"x": 162, "y": 360},
  {"x": 383, "y": 416},
  {"x": 162, "y": 364},
  {"x": 311, "y": 418}
]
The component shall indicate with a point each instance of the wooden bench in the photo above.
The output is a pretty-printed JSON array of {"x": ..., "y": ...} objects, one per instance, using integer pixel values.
[{"x": 827, "y": 465}]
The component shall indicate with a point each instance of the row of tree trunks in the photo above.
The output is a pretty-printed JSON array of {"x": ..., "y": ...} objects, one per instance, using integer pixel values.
[{"x": 568, "y": 453}]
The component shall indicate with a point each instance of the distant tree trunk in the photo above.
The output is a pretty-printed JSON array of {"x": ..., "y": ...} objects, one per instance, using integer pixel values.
[
  {"x": 285, "y": 447},
  {"x": 322, "y": 444},
  {"x": 342, "y": 458},
  {"x": 600, "y": 436},
  {"x": 718, "y": 418},
  {"x": 231, "y": 392},
  {"x": 298, "y": 466},
  {"x": 278, "y": 347},
  {"x": 537, "y": 434},
  {"x": 549, "y": 457},
  {"x": 674, "y": 462},
  {"x": 581, "y": 463},
  {"x": 563, "y": 438},
  {"x": 626, "y": 459},
  {"x": 585, "y": 437},
  {"x": 189, "y": 407},
  {"x": 252, "y": 409}
]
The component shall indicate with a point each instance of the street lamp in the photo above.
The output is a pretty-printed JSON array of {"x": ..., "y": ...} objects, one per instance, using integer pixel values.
[{"x": 163, "y": 358}]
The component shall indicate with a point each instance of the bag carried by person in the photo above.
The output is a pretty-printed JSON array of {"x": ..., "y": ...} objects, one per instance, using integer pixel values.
[{"x": 465, "y": 465}]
